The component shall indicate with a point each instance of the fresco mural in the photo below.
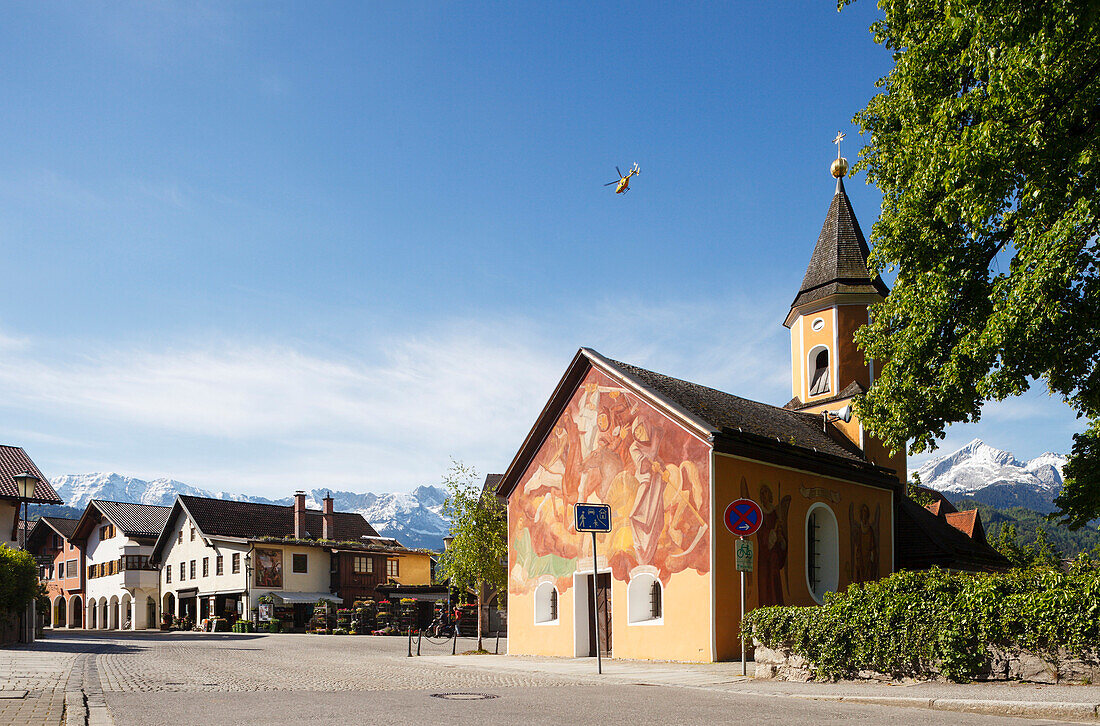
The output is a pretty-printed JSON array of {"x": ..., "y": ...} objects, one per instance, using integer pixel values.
[
  {"x": 608, "y": 446},
  {"x": 269, "y": 567},
  {"x": 864, "y": 531}
]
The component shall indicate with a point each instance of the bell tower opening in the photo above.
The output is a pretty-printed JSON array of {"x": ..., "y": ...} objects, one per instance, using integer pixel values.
[{"x": 819, "y": 371}]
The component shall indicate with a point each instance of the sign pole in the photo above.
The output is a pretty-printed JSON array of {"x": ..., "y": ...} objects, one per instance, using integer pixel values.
[
  {"x": 741, "y": 625},
  {"x": 595, "y": 605}
]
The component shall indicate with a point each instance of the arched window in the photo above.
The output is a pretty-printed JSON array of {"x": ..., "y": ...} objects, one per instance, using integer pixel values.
[
  {"x": 644, "y": 599},
  {"x": 822, "y": 551},
  {"x": 819, "y": 371},
  {"x": 546, "y": 603}
]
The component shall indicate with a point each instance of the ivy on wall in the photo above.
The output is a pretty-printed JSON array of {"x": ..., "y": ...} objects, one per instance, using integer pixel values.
[{"x": 920, "y": 623}]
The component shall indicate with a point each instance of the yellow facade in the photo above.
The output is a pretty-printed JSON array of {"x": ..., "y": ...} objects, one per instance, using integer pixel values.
[
  {"x": 413, "y": 568},
  {"x": 800, "y": 491},
  {"x": 836, "y": 321}
]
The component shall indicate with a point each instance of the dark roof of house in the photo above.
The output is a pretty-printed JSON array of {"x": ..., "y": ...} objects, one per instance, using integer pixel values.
[
  {"x": 492, "y": 481},
  {"x": 839, "y": 261},
  {"x": 249, "y": 520},
  {"x": 733, "y": 424},
  {"x": 13, "y": 460},
  {"x": 62, "y": 525},
  {"x": 922, "y": 539},
  {"x": 133, "y": 520},
  {"x": 47, "y": 527}
]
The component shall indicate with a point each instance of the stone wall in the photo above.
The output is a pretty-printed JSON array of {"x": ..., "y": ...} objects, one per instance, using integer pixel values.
[{"x": 1004, "y": 664}]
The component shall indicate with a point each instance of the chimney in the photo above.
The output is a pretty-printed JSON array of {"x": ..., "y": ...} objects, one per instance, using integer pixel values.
[
  {"x": 327, "y": 520},
  {"x": 299, "y": 515}
]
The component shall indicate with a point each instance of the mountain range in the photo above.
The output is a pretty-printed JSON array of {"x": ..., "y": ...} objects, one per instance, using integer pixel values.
[
  {"x": 997, "y": 478},
  {"x": 414, "y": 518}
]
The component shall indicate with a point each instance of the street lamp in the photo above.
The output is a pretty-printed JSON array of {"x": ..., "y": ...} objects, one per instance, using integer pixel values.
[
  {"x": 248, "y": 583},
  {"x": 25, "y": 484}
]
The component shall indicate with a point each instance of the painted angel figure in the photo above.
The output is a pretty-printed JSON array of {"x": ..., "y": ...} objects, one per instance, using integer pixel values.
[{"x": 864, "y": 542}]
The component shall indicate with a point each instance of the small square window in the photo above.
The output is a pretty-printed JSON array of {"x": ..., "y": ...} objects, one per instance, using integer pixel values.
[
  {"x": 393, "y": 568},
  {"x": 299, "y": 563}
]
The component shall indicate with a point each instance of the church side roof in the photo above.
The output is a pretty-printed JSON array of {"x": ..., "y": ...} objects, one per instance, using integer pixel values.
[
  {"x": 730, "y": 423},
  {"x": 839, "y": 261}
]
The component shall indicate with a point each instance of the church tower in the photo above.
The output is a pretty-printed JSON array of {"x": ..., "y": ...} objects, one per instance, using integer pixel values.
[{"x": 827, "y": 369}]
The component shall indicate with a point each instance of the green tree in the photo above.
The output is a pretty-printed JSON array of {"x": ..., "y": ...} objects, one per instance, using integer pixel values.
[
  {"x": 18, "y": 580},
  {"x": 985, "y": 142},
  {"x": 479, "y": 526}
]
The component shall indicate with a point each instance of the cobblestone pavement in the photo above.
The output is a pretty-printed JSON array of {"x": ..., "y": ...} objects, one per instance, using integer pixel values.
[
  {"x": 209, "y": 662},
  {"x": 32, "y": 685},
  {"x": 225, "y": 679}
]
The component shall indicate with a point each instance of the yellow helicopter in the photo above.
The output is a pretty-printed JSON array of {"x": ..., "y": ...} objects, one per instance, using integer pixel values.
[{"x": 623, "y": 182}]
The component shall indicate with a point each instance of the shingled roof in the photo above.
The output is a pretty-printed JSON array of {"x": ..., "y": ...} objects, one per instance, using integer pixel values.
[
  {"x": 62, "y": 525},
  {"x": 730, "y": 414},
  {"x": 13, "y": 460},
  {"x": 733, "y": 423},
  {"x": 247, "y": 520},
  {"x": 133, "y": 520},
  {"x": 839, "y": 261},
  {"x": 922, "y": 539}
]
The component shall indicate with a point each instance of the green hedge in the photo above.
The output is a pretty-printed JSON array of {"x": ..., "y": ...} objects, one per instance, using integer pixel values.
[
  {"x": 18, "y": 579},
  {"x": 919, "y": 623}
]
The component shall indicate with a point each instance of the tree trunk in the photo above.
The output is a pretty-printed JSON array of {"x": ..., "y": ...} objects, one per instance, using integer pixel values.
[{"x": 480, "y": 589}]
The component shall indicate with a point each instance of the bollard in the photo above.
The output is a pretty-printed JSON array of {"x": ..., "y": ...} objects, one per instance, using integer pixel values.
[
  {"x": 410, "y": 642},
  {"x": 419, "y": 637},
  {"x": 454, "y": 643},
  {"x": 496, "y": 649}
]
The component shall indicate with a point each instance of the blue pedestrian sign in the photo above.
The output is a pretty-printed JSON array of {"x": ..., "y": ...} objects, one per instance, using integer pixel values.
[{"x": 592, "y": 517}]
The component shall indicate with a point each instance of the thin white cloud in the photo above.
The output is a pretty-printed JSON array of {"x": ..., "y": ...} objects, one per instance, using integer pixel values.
[{"x": 268, "y": 418}]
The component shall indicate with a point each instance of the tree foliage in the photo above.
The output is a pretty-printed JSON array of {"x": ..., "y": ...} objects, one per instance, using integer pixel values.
[
  {"x": 18, "y": 579},
  {"x": 479, "y": 526},
  {"x": 985, "y": 142}
]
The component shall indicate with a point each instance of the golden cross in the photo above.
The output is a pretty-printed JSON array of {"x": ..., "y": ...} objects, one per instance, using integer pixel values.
[{"x": 837, "y": 140}]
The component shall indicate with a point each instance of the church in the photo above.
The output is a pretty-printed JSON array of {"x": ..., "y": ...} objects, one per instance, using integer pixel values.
[{"x": 668, "y": 456}]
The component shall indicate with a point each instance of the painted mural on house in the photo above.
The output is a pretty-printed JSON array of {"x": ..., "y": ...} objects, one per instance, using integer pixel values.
[
  {"x": 608, "y": 446},
  {"x": 269, "y": 567}
]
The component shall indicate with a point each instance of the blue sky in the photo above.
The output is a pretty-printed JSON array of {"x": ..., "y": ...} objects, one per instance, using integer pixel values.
[{"x": 260, "y": 246}]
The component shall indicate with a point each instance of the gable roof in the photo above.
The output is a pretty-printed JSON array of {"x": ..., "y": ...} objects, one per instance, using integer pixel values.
[
  {"x": 64, "y": 526},
  {"x": 968, "y": 522},
  {"x": 921, "y": 539},
  {"x": 13, "y": 460},
  {"x": 46, "y": 526},
  {"x": 730, "y": 423},
  {"x": 252, "y": 520},
  {"x": 133, "y": 520},
  {"x": 839, "y": 261}
]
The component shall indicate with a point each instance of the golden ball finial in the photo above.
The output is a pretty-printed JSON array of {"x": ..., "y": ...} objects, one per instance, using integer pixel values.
[{"x": 839, "y": 167}]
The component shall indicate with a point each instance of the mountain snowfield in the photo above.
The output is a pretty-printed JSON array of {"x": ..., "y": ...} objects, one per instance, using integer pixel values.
[
  {"x": 415, "y": 518},
  {"x": 995, "y": 477}
]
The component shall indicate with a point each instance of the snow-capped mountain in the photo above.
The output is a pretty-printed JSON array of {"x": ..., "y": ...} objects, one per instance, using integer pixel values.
[
  {"x": 413, "y": 518},
  {"x": 978, "y": 471}
]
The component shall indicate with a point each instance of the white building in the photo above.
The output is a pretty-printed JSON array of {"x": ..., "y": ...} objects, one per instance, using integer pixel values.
[
  {"x": 122, "y": 587},
  {"x": 218, "y": 557}
]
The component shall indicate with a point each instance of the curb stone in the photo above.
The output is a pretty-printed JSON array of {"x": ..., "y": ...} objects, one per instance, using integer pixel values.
[{"x": 1065, "y": 711}]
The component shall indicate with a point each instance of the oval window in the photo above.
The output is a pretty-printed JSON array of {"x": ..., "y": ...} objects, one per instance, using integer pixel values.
[{"x": 818, "y": 324}]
